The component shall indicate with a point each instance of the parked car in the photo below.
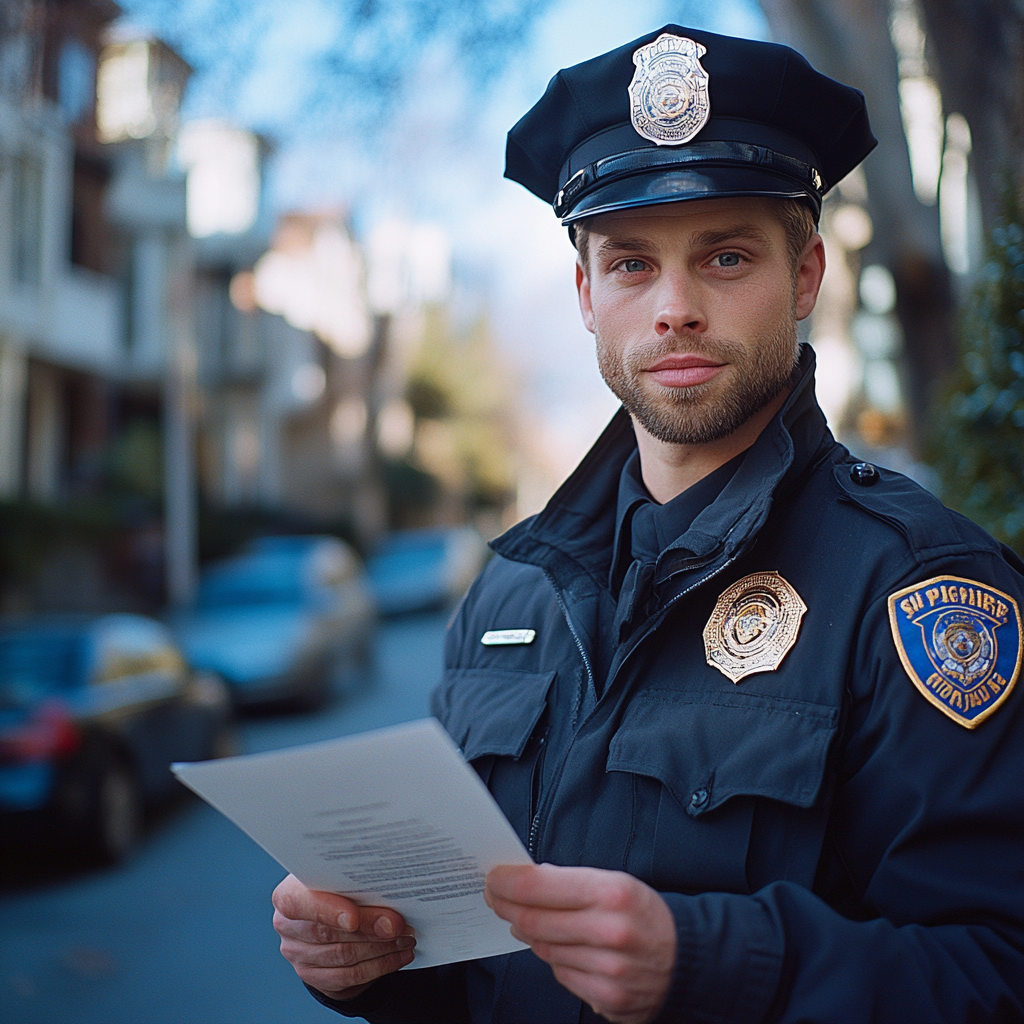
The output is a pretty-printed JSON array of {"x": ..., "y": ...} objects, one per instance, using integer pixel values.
[
  {"x": 278, "y": 621},
  {"x": 419, "y": 570},
  {"x": 92, "y": 712}
]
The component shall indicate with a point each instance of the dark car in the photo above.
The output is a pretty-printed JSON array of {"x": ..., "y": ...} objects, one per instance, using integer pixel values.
[
  {"x": 277, "y": 622},
  {"x": 93, "y": 710},
  {"x": 421, "y": 570}
]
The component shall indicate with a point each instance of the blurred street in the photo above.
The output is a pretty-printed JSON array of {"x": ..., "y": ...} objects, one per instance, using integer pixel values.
[{"x": 182, "y": 933}]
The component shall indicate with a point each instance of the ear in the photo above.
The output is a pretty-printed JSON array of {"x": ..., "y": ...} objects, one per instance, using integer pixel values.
[
  {"x": 809, "y": 272},
  {"x": 583, "y": 291}
]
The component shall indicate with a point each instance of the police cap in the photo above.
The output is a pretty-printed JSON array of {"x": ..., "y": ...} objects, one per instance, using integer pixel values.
[{"x": 684, "y": 114}]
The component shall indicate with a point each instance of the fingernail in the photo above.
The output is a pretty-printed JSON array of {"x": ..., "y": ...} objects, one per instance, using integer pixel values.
[
  {"x": 345, "y": 922},
  {"x": 405, "y": 942},
  {"x": 384, "y": 928}
]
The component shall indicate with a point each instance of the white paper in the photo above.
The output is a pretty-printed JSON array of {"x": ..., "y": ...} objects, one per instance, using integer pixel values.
[{"x": 391, "y": 818}]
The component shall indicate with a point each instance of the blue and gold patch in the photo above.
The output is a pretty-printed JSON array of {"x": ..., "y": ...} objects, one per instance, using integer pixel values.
[{"x": 960, "y": 642}]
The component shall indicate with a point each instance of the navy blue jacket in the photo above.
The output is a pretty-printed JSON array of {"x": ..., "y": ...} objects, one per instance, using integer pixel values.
[{"x": 832, "y": 846}]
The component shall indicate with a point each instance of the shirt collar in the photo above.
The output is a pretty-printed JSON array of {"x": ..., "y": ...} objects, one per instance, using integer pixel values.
[
  {"x": 644, "y": 528},
  {"x": 576, "y": 530}
]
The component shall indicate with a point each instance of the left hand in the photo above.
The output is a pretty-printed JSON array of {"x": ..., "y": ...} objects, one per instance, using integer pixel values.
[{"x": 610, "y": 939}]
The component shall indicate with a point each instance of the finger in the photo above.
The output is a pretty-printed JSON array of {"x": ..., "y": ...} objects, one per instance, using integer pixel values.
[
  {"x": 311, "y": 931},
  {"x": 298, "y": 903},
  {"x": 382, "y": 922},
  {"x": 589, "y": 959},
  {"x": 337, "y": 979},
  {"x": 547, "y": 885},
  {"x": 340, "y": 954},
  {"x": 294, "y": 901},
  {"x": 591, "y": 928},
  {"x": 321, "y": 934}
]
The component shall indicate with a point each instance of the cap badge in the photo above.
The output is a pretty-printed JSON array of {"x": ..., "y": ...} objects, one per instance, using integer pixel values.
[
  {"x": 669, "y": 101},
  {"x": 753, "y": 626},
  {"x": 960, "y": 642}
]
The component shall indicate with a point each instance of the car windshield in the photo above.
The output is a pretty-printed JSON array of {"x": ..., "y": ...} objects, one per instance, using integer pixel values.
[
  {"x": 407, "y": 552},
  {"x": 252, "y": 581},
  {"x": 39, "y": 661}
]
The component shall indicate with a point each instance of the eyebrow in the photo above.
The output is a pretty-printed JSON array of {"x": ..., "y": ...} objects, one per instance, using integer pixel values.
[
  {"x": 614, "y": 246},
  {"x": 731, "y": 233}
]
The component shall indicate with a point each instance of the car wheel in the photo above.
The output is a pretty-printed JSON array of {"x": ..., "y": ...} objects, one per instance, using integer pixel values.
[{"x": 114, "y": 827}]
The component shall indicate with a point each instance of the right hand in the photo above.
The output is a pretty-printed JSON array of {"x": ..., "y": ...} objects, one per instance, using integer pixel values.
[{"x": 335, "y": 945}]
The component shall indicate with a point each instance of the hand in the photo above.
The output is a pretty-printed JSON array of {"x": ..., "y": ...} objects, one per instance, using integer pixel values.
[
  {"x": 334, "y": 944},
  {"x": 610, "y": 939}
]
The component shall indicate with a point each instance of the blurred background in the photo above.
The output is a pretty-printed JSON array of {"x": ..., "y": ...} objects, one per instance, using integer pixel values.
[{"x": 280, "y": 350}]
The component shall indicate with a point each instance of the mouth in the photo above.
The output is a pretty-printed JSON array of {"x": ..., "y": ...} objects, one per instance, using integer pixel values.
[{"x": 684, "y": 370}]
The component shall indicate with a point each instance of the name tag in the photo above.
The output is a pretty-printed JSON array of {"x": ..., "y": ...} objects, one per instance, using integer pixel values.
[{"x": 499, "y": 637}]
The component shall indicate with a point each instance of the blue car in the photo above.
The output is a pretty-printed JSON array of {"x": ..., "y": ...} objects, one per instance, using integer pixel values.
[
  {"x": 278, "y": 621},
  {"x": 93, "y": 710},
  {"x": 423, "y": 570}
]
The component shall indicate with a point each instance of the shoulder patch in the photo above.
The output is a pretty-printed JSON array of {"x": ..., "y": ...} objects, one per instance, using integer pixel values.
[{"x": 960, "y": 642}]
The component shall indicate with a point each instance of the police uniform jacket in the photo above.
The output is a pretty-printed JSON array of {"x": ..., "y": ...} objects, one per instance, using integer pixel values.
[{"x": 832, "y": 846}]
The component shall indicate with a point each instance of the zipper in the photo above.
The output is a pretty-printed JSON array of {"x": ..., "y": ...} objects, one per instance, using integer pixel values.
[
  {"x": 535, "y": 821},
  {"x": 664, "y": 611}
]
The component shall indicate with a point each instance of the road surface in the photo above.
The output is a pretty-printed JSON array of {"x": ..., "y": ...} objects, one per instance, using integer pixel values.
[{"x": 181, "y": 934}]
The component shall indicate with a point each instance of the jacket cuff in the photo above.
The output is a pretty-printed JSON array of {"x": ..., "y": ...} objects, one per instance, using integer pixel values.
[
  {"x": 728, "y": 960},
  {"x": 362, "y": 1004}
]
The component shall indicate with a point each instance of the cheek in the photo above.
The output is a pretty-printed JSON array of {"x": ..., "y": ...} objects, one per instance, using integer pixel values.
[
  {"x": 750, "y": 315},
  {"x": 620, "y": 315}
]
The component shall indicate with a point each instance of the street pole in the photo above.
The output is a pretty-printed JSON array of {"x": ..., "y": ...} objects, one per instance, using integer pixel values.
[{"x": 180, "y": 511}]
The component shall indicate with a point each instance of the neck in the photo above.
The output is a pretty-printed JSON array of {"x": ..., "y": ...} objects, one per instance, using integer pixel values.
[{"x": 669, "y": 469}]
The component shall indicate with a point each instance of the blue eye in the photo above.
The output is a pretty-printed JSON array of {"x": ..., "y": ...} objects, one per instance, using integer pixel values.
[
  {"x": 634, "y": 266},
  {"x": 728, "y": 259}
]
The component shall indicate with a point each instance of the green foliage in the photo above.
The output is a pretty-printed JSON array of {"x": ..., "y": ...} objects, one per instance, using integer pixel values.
[
  {"x": 412, "y": 492},
  {"x": 979, "y": 440},
  {"x": 136, "y": 461},
  {"x": 460, "y": 392},
  {"x": 30, "y": 530}
]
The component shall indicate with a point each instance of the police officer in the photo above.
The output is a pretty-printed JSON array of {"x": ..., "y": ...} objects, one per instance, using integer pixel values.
[{"x": 750, "y": 703}]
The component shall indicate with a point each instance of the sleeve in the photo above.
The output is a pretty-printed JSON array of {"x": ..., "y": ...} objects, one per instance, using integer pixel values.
[
  {"x": 917, "y": 912},
  {"x": 434, "y": 995}
]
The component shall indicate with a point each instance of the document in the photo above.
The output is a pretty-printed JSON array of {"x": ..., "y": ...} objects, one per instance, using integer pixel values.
[{"x": 394, "y": 818}]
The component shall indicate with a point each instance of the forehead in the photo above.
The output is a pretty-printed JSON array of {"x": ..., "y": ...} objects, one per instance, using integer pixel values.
[{"x": 687, "y": 217}]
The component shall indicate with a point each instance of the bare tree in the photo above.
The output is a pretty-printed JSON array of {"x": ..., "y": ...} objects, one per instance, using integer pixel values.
[
  {"x": 369, "y": 52},
  {"x": 850, "y": 40},
  {"x": 976, "y": 51}
]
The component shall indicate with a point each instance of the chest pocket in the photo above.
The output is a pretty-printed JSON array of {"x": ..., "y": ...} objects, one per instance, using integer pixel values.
[
  {"x": 701, "y": 759},
  {"x": 493, "y": 715},
  {"x": 491, "y": 712}
]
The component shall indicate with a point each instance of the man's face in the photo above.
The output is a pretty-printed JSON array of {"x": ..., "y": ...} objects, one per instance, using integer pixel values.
[{"x": 694, "y": 306}]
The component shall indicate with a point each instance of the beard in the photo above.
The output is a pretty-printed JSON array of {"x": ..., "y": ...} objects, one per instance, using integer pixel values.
[{"x": 704, "y": 412}]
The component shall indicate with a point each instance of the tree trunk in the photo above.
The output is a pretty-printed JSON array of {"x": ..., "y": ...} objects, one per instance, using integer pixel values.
[
  {"x": 849, "y": 40},
  {"x": 976, "y": 50}
]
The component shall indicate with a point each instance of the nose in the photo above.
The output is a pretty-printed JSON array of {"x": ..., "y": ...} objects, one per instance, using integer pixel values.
[{"x": 679, "y": 308}]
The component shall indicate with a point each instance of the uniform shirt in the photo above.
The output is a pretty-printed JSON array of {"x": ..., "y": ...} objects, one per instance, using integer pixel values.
[
  {"x": 832, "y": 845},
  {"x": 643, "y": 530}
]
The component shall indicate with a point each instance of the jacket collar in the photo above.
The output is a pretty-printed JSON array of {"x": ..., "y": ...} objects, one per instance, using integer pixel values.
[{"x": 576, "y": 528}]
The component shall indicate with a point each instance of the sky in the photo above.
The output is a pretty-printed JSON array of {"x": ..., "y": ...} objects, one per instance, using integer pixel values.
[{"x": 438, "y": 158}]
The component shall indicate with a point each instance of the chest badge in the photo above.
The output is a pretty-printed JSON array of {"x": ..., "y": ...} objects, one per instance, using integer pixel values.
[
  {"x": 753, "y": 626},
  {"x": 960, "y": 642},
  {"x": 668, "y": 96}
]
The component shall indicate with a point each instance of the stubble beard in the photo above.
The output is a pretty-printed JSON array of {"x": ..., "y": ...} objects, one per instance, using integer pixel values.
[{"x": 704, "y": 412}]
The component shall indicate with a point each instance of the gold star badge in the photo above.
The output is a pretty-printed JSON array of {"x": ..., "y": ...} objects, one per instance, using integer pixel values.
[{"x": 753, "y": 626}]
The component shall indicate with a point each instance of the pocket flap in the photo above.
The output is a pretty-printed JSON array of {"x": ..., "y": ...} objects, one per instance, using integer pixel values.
[
  {"x": 489, "y": 711},
  {"x": 708, "y": 747}
]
